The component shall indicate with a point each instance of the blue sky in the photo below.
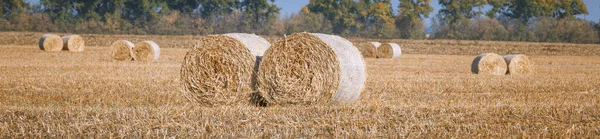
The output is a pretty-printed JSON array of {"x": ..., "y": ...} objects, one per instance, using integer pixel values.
[{"x": 293, "y": 6}]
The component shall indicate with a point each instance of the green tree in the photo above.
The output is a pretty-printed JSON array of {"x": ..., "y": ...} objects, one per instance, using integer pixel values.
[
  {"x": 410, "y": 19},
  {"x": 61, "y": 10},
  {"x": 212, "y": 8},
  {"x": 307, "y": 22},
  {"x": 570, "y": 8},
  {"x": 141, "y": 11},
  {"x": 341, "y": 13},
  {"x": 524, "y": 10},
  {"x": 11, "y": 9},
  {"x": 98, "y": 9},
  {"x": 183, "y": 6},
  {"x": 258, "y": 15},
  {"x": 383, "y": 19},
  {"x": 374, "y": 18},
  {"x": 457, "y": 13}
]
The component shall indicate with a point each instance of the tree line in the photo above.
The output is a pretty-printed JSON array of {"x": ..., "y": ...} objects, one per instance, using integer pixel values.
[{"x": 508, "y": 20}]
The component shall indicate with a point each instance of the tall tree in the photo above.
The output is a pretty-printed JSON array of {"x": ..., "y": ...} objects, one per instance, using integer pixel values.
[
  {"x": 183, "y": 6},
  {"x": 11, "y": 9},
  {"x": 141, "y": 11},
  {"x": 410, "y": 19},
  {"x": 258, "y": 14},
  {"x": 60, "y": 10},
  {"x": 454, "y": 11},
  {"x": 341, "y": 13},
  {"x": 457, "y": 13},
  {"x": 99, "y": 9},
  {"x": 528, "y": 9},
  {"x": 211, "y": 8},
  {"x": 383, "y": 18}
]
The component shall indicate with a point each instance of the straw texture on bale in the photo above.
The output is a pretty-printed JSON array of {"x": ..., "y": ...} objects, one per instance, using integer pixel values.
[
  {"x": 73, "y": 43},
  {"x": 221, "y": 69},
  {"x": 50, "y": 42},
  {"x": 146, "y": 51},
  {"x": 121, "y": 50},
  {"x": 311, "y": 68},
  {"x": 489, "y": 63},
  {"x": 368, "y": 50},
  {"x": 389, "y": 50},
  {"x": 518, "y": 64}
]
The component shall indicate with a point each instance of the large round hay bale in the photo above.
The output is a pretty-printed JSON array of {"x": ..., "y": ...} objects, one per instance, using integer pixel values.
[
  {"x": 368, "y": 49},
  {"x": 489, "y": 63},
  {"x": 121, "y": 50},
  {"x": 51, "y": 42},
  {"x": 518, "y": 64},
  {"x": 146, "y": 51},
  {"x": 389, "y": 50},
  {"x": 74, "y": 43},
  {"x": 221, "y": 69},
  {"x": 311, "y": 68}
]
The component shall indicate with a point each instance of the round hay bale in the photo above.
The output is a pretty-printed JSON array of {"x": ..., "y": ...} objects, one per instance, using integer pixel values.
[
  {"x": 73, "y": 43},
  {"x": 518, "y": 64},
  {"x": 221, "y": 69},
  {"x": 368, "y": 50},
  {"x": 51, "y": 42},
  {"x": 389, "y": 50},
  {"x": 121, "y": 50},
  {"x": 489, "y": 63},
  {"x": 146, "y": 51},
  {"x": 311, "y": 68}
]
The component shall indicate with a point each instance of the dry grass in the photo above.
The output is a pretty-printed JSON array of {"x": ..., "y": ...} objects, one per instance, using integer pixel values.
[
  {"x": 420, "y": 95},
  {"x": 444, "y": 47}
]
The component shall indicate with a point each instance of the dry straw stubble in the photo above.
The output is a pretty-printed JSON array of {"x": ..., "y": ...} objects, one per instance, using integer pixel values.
[
  {"x": 368, "y": 49},
  {"x": 51, "y": 42},
  {"x": 221, "y": 69},
  {"x": 389, "y": 50},
  {"x": 311, "y": 68},
  {"x": 489, "y": 63},
  {"x": 519, "y": 64},
  {"x": 146, "y": 51},
  {"x": 121, "y": 50},
  {"x": 73, "y": 43}
]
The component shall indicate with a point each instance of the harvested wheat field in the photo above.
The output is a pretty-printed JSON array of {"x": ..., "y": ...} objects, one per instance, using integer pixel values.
[{"x": 422, "y": 95}]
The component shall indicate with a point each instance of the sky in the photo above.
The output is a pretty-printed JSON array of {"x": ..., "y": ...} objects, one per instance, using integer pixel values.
[{"x": 293, "y": 6}]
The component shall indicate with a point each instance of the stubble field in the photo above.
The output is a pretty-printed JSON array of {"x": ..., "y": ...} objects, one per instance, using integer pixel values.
[{"x": 428, "y": 92}]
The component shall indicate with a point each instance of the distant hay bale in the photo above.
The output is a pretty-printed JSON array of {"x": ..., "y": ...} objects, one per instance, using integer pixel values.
[
  {"x": 389, "y": 50},
  {"x": 368, "y": 50},
  {"x": 146, "y": 51},
  {"x": 121, "y": 50},
  {"x": 51, "y": 42},
  {"x": 221, "y": 69},
  {"x": 518, "y": 64},
  {"x": 311, "y": 68},
  {"x": 74, "y": 43},
  {"x": 489, "y": 63}
]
